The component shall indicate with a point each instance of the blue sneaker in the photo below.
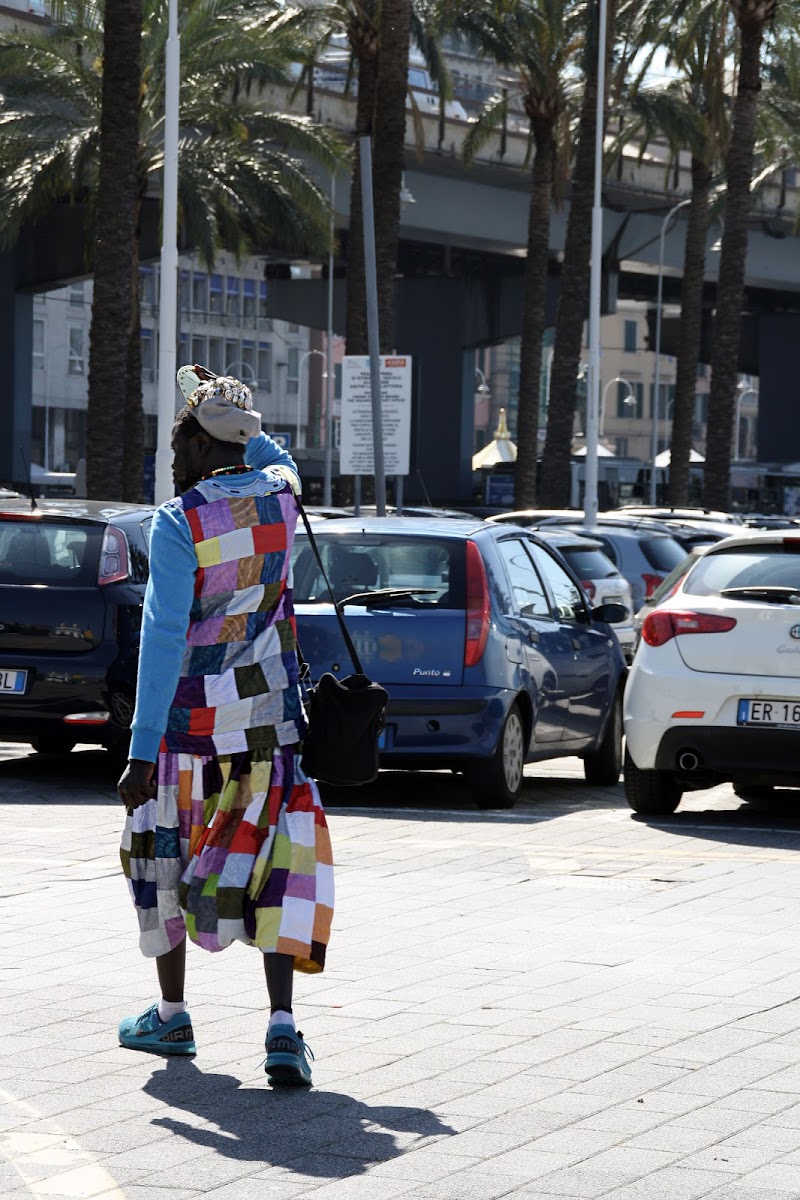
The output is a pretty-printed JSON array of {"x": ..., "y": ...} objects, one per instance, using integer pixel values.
[
  {"x": 149, "y": 1033},
  {"x": 287, "y": 1057}
]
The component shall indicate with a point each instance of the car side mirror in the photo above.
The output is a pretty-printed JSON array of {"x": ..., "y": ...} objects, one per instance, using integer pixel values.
[{"x": 610, "y": 614}]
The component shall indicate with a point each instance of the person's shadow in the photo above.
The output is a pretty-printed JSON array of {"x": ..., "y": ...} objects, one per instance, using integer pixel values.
[{"x": 317, "y": 1133}]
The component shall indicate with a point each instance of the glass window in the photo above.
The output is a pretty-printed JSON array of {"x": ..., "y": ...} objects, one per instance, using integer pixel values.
[
  {"x": 215, "y": 295},
  {"x": 77, "y": 294},
  {"x": 589, "y": 563},
  {"x": 249, "y": 298},
  {"x": 215, "y": 362},
  {"x": 183, "y": 348},
  {"x": 776, "y": 565},
  {"x": 199, "y": 350},
  {"x": 566, "y": 594},
  {"x": 76, "y": 350},
  {"x": 292, "y": 371},
  {"x": 148, "y": 351},
  {"x": 525, "y": 583},
  {"x": 264, "y": 369},
  {"x": 663, "y": 553},
  {"x": 630, "y": 336},
  {"x": 262, "y": 298},
  {"x": 232, "y": 296},
  {"x": 231, "y": 357},
  {"x": 365, "y": 562},
  {"x": 292, "y": 328},
  {"x": 185, "y": 290},
  {"x": 248, "y": 362},
  {"x": 147, "y": 286},
  {"x": 38, "y": 346},
  {"x": 666, "y": 397},
  {"x": 33, "y": 552},
  {"x": 199, "y": 292}
]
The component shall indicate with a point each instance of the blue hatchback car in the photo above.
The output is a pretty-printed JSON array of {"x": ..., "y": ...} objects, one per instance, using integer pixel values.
[{"x": 489, "y": 649}]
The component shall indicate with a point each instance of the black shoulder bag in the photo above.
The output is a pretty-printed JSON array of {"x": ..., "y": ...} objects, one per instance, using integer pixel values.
[{"x": 345, "y": 716}]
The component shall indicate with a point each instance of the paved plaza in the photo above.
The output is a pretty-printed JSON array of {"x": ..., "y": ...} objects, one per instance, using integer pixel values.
[{"x": 560, "y": 1001}]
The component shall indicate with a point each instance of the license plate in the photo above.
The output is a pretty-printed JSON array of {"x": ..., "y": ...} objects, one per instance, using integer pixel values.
[
  {"x": 13, "y": 681},
  {"x": 777, "y": 714}
]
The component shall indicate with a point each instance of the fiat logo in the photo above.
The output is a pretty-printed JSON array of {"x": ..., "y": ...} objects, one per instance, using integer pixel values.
[{"x": 794, "y": 632}]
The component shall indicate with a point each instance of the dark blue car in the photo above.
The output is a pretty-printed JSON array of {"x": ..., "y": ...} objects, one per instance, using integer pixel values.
[{"x": 491, "y": 653}]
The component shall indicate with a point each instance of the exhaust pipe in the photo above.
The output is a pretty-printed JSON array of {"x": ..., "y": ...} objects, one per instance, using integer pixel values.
[{"x": 688, "y": 760}]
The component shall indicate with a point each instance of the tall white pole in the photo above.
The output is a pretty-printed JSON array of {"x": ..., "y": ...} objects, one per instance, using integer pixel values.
[
  {"x": 657, "y": 373},
  {"x": 593, "y": 390},
  {"x": 168, "y": 297},
  {"x": 327, "y": 486},
  {"x": 373, "y": 340}
]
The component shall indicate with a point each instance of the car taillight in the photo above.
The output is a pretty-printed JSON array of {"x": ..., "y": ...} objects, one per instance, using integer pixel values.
[
  {"x": 589, "y": 588},
  {"x": 662, "y": 625},
  {"x": 113, "y": 557},
  {"x": 651, "y": 582},
  {"x": 478, "y": 607}
]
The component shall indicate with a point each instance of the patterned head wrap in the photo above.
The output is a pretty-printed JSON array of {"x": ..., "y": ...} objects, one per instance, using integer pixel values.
[{"x": 222, "y": 405}]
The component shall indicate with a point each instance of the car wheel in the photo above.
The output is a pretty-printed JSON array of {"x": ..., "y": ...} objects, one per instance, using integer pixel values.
[
  {"x": 602, "y": 766},
  {"x": 53, "y": 743},
  {"x": 650, "y": 792},
  {"x": 496, "y": 781}
]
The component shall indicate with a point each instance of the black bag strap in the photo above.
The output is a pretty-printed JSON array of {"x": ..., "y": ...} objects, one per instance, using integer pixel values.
[{"x": 351, "y": 650}]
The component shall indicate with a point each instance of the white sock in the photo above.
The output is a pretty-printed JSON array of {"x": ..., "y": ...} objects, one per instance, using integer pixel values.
[
  {"x": 281, "y": 1017},
  {"x": 170, "y": 1008}
]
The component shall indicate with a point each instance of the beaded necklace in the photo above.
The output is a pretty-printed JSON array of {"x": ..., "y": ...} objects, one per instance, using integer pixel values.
[{"x": 239, "y": 469}]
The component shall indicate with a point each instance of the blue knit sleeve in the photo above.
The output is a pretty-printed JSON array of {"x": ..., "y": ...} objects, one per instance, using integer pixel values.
[
  {"x": 167, "y": 606},
  {"x": 262, "y": 452}
]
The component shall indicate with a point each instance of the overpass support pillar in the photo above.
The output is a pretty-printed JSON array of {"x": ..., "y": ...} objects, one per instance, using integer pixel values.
[
  {"x": 16, "y": 349},
  {"x": 429, "y": 325}
]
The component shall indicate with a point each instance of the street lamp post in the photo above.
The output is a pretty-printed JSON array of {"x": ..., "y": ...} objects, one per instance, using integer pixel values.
[
  {"x": 629, "y": 399},
  {"x": 327, "y": 485},
  {"x": 168, "y": 300},
  {"x": 657, "y": 381},
  {"x": 303, "y": 358},
  {"x": 593, "y": 392},
  {"x": 748, "y": 391}
]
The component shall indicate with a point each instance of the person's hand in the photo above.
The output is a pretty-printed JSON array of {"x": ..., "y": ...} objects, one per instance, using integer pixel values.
[{"x": 137, "y": 784}]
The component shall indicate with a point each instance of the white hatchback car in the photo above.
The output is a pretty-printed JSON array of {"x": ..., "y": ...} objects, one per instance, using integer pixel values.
[{"x": 714, "y": 691}]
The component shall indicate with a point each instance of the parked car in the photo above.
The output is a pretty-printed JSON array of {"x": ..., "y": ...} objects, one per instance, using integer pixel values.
[
  {"x": 714, "y": 694},
  {"x": 667, "y": 511},
  {"x": 644, "y": 556},
  {"x": 490, "y": 651},
  {"x": 415, "y": 510},
  {"x": 667, "y": 588},
  {"x": 72, "y": 581},
  {"x": 600, "y": 579}
]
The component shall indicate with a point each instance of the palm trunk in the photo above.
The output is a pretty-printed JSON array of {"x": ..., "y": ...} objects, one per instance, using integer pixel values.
[
  {"x": 694, "y": 261},
  {"x": 133, "y": 465},
  {"x": 533, "y": 315},
  {"x": 114, "y": 249},
  {"x": 356, "y": 315},
  {"x": 389, "y": 143},
  {"x": 730, "y": 286}
]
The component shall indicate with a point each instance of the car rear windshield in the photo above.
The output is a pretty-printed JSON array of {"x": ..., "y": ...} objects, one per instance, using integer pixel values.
[
  {"x": 62, "y": 555},
  {"x": 663, "y": 553},
  {"x": 589, "y": 563},
  {"x": 363, "y": 562},
  {"x": 759, "y": 566}
]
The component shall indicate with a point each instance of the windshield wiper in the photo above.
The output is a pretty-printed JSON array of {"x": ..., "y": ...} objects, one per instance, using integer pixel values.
[
  {"x": 771, "y": 593},
  {"x": 387, "y": 596}
]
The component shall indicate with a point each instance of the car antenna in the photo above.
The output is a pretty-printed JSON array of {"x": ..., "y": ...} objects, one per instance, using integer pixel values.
[
  {"x": 425, "y": 490},
  {"x": 34, "y": 505}
]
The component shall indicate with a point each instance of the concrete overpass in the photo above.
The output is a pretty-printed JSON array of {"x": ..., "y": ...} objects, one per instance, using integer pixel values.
[{"x": 460, "y": 278}]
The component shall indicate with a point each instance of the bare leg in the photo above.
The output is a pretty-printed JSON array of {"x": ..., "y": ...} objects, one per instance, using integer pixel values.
[
  {"x": 279, "y": 969},
  {"x": 171, "y": 969}
]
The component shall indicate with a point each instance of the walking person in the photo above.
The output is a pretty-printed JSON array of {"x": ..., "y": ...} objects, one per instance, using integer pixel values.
[{"x": 225, "y": 837}]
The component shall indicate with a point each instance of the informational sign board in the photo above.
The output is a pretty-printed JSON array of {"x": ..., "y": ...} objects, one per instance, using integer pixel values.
[
  {"x": 499, "y": 491},
  {"x": 284, "y": 440},
  {"x": 356, "y": 455}
]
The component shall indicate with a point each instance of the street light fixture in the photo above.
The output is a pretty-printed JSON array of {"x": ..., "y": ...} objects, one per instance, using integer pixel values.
[
  {"x": 304, "y": 358},
  {"x": 657, "y": 382},
  {"x": 483, "y": 386},
  {"x": 629, "y": 399},
  {"x": 743, "y": 391}
]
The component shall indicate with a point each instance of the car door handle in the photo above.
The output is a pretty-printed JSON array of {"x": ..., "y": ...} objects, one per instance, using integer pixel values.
[{"x": 576, "y": 643}]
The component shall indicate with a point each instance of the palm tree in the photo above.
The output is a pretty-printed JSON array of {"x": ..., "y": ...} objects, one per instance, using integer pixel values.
[
  {"x": 752, "y": 18},
  {"x": 244, "y": 175},
  {"x": 691, "y": 112},
  {"x": 539, "y": 44},
  {"x": 574, "y": 291}
]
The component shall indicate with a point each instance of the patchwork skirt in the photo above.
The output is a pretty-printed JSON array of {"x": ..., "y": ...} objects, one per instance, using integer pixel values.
[{"x": 232, "y": 848}]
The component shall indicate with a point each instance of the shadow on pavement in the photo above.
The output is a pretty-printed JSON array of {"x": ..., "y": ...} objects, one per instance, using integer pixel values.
[
  {"x": 87, "y": 771},
  {"x": 314, "y": 1133},
  {"x": 774, "y": 826}
]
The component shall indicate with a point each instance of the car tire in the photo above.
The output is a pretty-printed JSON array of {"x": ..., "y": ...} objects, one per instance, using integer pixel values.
[
  {"x": 652, "y": 793},
  {"x": 496, "y": 781},
  {"x": 602, "y": 766},
  {"x": 53, "y": 743}
]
